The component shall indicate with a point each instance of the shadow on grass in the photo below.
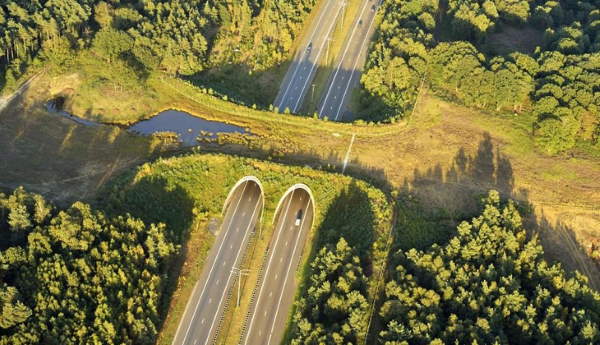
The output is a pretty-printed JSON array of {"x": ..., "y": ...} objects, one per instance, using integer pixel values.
[
  {"x": 331, "y": 161},
  {"x": 237, "y": 81},
  {"x": 59, "y": 158},
  {"x": 434, "y": 201},
  {"x": 349, "y": 216}
]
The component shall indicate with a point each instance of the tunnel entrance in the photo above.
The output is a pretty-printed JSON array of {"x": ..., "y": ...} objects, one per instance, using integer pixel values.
[
  {"x": 297, "y": 201},
  {"x": 242, "y": 186}
]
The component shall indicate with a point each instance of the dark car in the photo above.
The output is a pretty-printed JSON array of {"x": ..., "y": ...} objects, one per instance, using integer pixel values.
[{"x": 299, "y": 217}]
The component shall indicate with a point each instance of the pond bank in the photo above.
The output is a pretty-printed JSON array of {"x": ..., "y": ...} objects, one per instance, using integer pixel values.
[{"x": 188, "y": 128}]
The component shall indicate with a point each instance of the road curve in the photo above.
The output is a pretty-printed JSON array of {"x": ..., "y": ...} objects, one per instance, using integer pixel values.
[
  {"x": 267, "y": 320},
  {"x": 301, "y": 72},
  {"x": 202, "y": 317},
  {"x": 346, "y": 76}
]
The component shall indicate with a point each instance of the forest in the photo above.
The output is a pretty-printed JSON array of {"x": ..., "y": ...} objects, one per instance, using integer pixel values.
[
  {"x": 489, "y": 284},
  {"x": 77, "y": 276},
  {"x": 180, "y": 38},
  {"x": 335, "y": 309},
  {"x": 451, "y": 47}
]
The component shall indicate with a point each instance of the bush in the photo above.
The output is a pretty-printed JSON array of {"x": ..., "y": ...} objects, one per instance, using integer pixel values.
[{"x": 488, "y": 285}]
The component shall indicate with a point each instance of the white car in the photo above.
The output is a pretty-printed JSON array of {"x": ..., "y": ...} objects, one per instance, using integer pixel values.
[{"x": 298, "y": 218}]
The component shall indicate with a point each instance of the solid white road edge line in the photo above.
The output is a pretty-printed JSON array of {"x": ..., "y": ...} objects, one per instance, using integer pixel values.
[
  {"x": 225, "y": 235},
  {"x": 268, "y": 267}
]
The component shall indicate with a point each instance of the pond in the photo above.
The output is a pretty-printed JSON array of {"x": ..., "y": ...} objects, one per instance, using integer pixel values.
[{"x": 186, "y": 126}]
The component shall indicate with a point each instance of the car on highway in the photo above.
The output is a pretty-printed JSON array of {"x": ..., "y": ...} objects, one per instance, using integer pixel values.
[
  {"x": 298, "y": 217},
  {"x": 309, "y": 47}
]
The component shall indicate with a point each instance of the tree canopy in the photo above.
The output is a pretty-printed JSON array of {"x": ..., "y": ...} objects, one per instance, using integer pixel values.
[
  {"x": 489, "y": 285},
  {"x": 558, "y": 83},
  {"x": 176, "y": 37},
  {"x": 75, "y": 276}
]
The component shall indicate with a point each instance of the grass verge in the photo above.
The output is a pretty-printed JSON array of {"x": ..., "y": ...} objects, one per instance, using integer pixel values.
[{"x": 187, "y": 192}]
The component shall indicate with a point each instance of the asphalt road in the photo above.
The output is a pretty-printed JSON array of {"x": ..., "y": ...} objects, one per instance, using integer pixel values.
[
  {"x": 346, "y": 76},
  {"x": 298, "y": 79},
  {"x": 270, "y": 312},
  {"x": 201, "y": 319}
]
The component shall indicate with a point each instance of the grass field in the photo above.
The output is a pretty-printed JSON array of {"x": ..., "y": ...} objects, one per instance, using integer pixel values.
[
  {"x": 198, "y": 184},
  {"x": 436, "y": 163},
  {"x": 444, "y": 155}
]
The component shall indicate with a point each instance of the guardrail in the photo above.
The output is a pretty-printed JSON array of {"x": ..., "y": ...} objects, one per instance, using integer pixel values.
[{"x": 252, "y": 304}]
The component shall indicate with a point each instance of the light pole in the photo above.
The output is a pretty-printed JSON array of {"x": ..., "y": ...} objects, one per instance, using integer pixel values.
[
  {"x": 348, "y": 153},
  {"x": 312, "y": 96},
  {"x": 240, "y": 272},
  {"x": 327, "y": 55}
]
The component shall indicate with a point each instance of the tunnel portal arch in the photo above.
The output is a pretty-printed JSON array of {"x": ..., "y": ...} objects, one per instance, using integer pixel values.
[
  {"x": 297, "y": 186},
  {"x": 237, "y": 185}
]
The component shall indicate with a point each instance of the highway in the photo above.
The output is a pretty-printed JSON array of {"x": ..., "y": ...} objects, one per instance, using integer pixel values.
[
  {"x": 346, "y": 75},
  {"x": 299, "y": 76},
  {"x": 276, "y": 289},
  {"x": 202, "y": 317}
]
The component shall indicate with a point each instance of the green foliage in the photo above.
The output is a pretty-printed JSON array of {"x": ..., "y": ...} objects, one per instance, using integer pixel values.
[
  {"x": 419, "y": 39},
  {"x": 12, "y": 310},
  {"x": 199, "y": 183},
  {"x": 335, "y": 309},
  {"x": 554, "y": 135},
  {"x": 80, "y": 277},
  {"x": 459, "y": 68},
  {"x": 398, "y": 59},
  {"x": 110, "y": 44},
  {"x": 488, "y": 285},
  {"x": 346, "y": 208},
  {"x": 176, "y": 37}
]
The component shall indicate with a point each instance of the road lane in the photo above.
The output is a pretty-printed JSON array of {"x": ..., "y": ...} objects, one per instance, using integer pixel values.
[
  {"x": 201, "y": 319},
  {"x": 305, "y": 63},
  {"x": 277, "y": 288},
  {"x": 347, "y": 73}
]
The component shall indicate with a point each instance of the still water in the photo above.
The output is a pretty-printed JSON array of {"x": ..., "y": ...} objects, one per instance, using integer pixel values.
[{"x": 186, "y": 126}]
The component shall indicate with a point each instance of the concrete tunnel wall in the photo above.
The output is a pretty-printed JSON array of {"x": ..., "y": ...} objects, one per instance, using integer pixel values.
[
  {"x": 288, "y": 192},
  {"x": 237, "y": 185}
]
